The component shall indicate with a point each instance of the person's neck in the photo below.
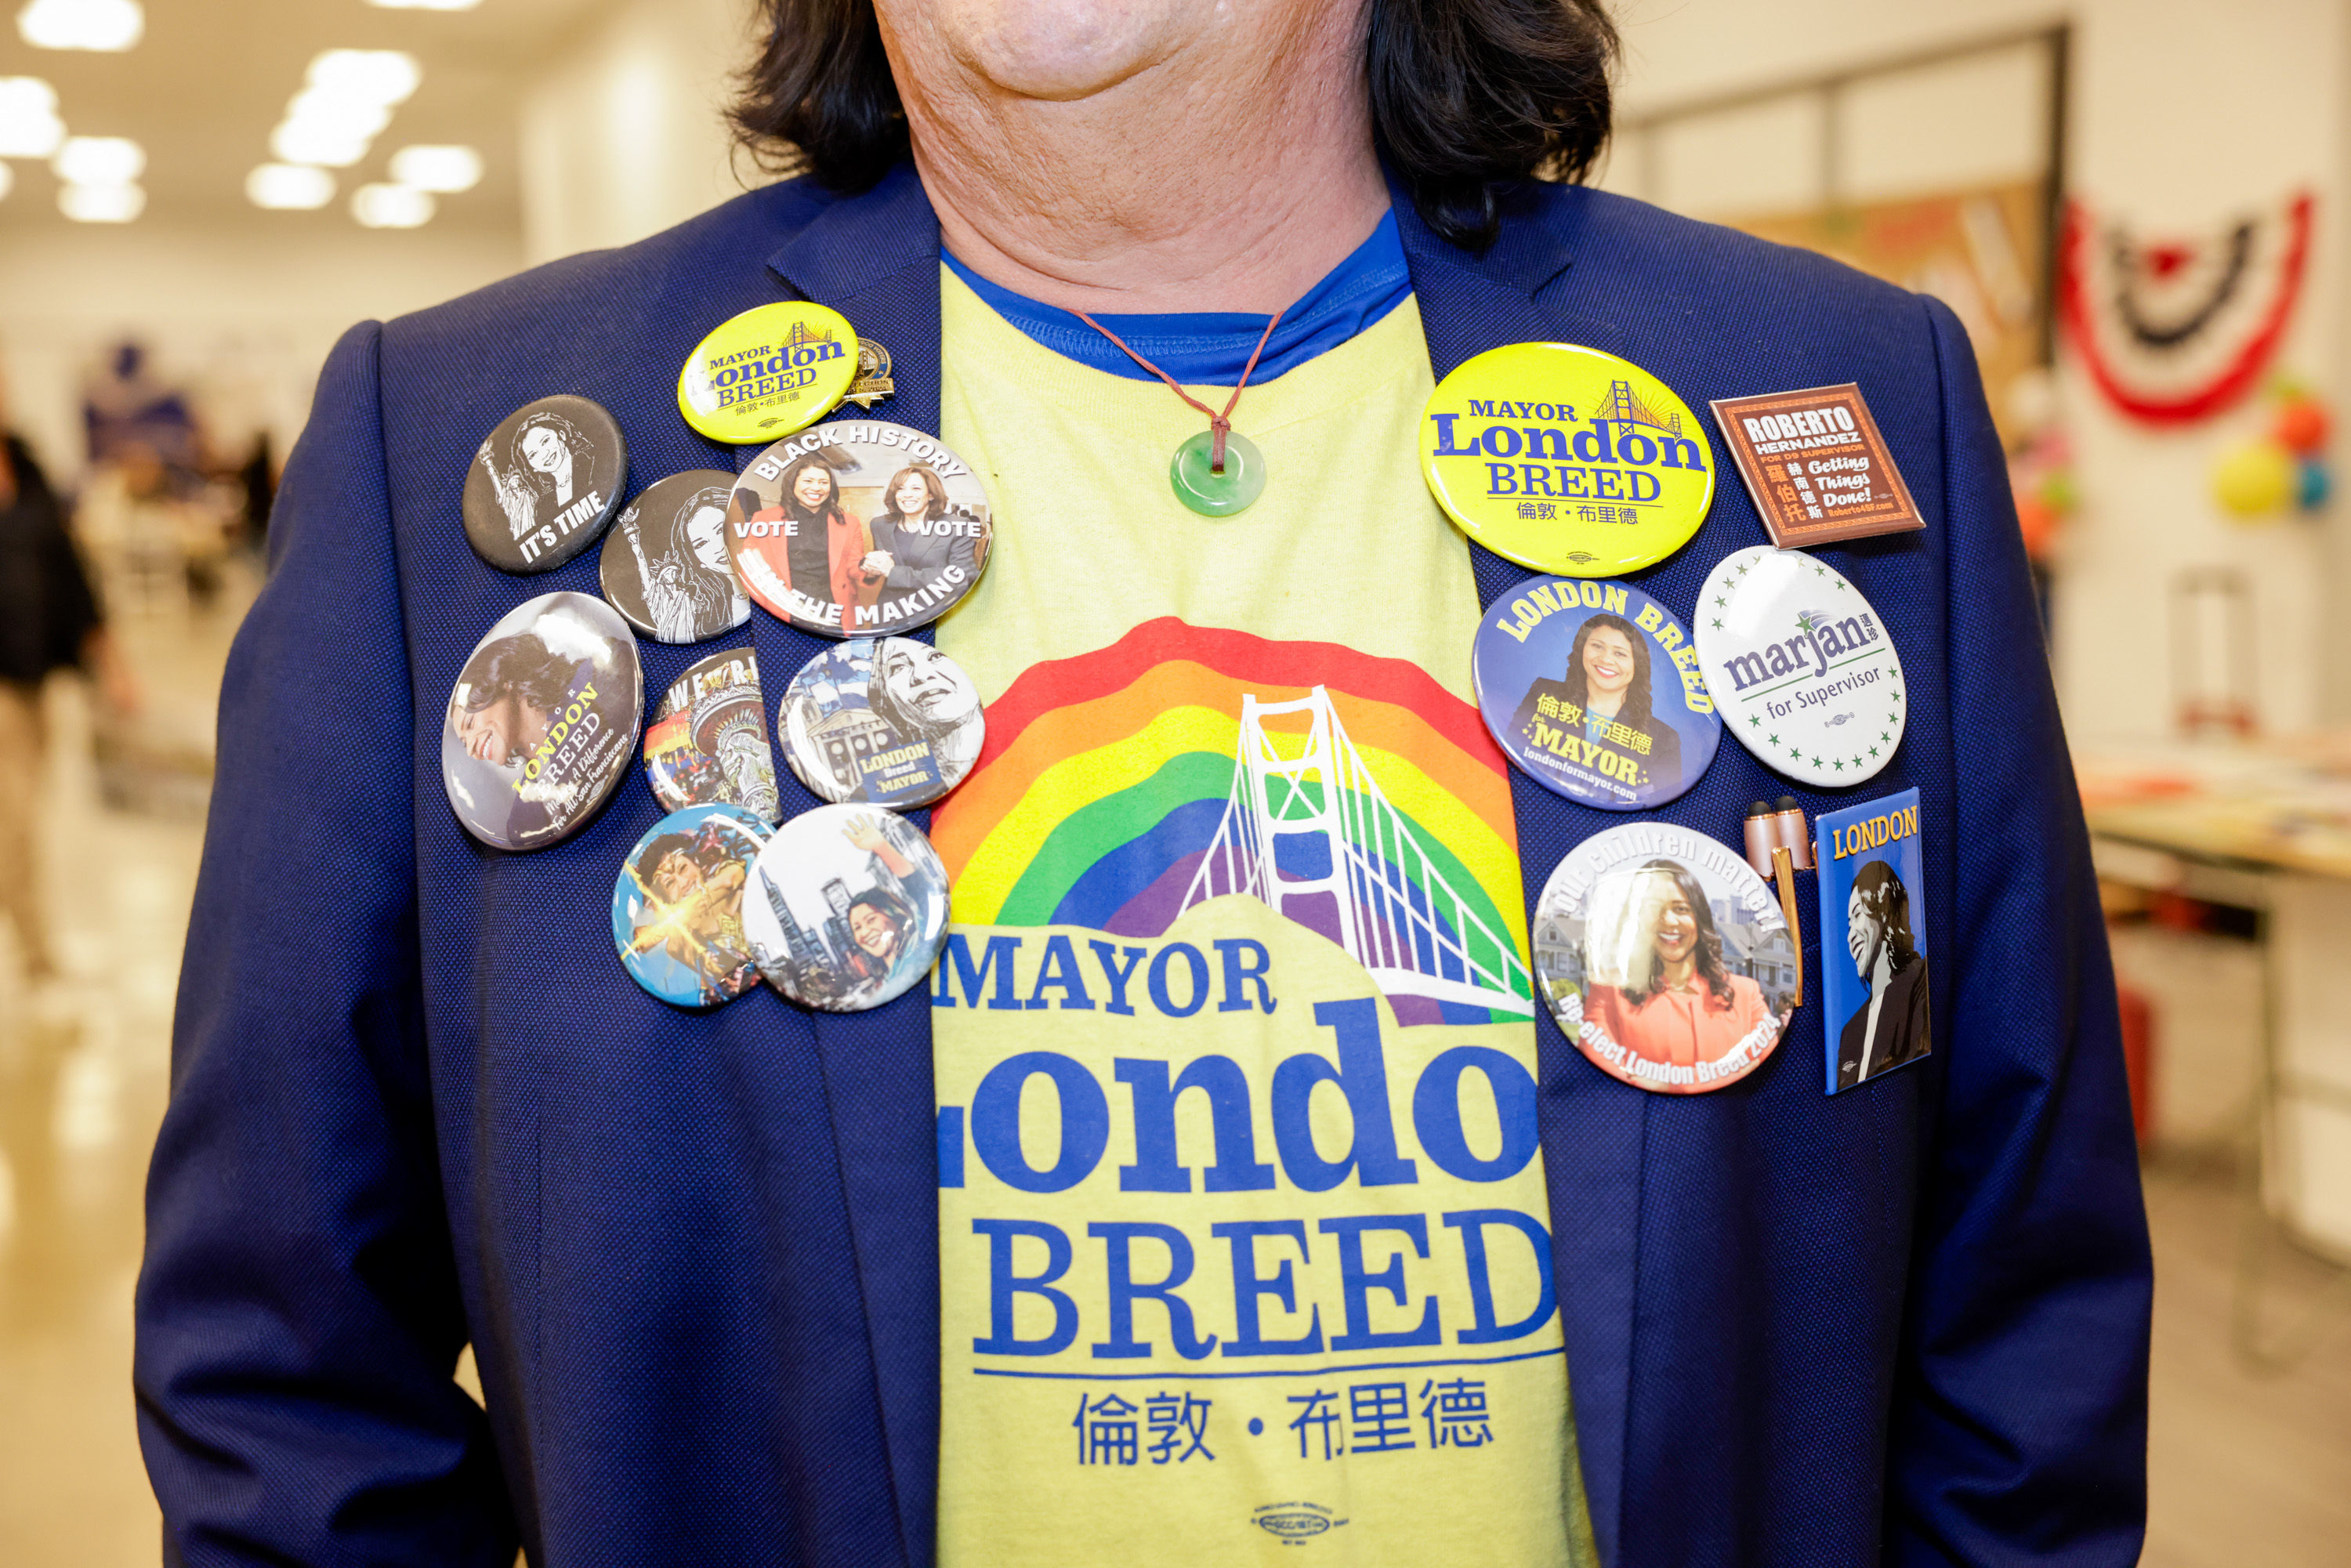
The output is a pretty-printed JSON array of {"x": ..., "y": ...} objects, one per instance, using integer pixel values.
[
  {"x": 1606, "y": 704},
  {"x": 1216, "y": 178},
  {"x": 1679, "y": 972}
]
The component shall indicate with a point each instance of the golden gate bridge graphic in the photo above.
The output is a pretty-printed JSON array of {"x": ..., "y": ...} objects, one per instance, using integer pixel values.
[
  {"x": 1625, "y": 407},
  {"x": 1396, "y": 913}
]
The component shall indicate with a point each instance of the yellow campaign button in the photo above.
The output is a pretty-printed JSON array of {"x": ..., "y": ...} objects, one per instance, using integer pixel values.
[
  {"x": 772, "y": 371},
  {"x": 1566, "y": 459}
]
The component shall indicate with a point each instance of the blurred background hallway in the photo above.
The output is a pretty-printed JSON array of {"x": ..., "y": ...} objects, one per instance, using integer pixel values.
[{"x": 195, "y": 200}]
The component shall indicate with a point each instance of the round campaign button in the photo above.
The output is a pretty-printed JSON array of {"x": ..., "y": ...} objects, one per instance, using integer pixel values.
[
  {"x": 1664, "y": 957},
  {"x": 767, "y": 372},
  {"x": 666, "y": 566},
  {"x": 858, "y": 527},
  {"x": 1593, "y": 689},
  {"x": 542, "y": 721},
  {"x": 1801, "y": 666},
  {"x": 707, "y": 741},
  {"x": 847, "y": 907},
  {"x": 544, "y": 484},
  {"x": 882, "y": 721},
  {"x": 678, "y": 905},
  {"x": 1566, "y": 459}
]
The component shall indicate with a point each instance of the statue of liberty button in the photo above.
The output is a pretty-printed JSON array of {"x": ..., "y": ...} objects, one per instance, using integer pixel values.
[
  {"x": 1802, "y": 667},
  {"x": 1566, "y": 459}
]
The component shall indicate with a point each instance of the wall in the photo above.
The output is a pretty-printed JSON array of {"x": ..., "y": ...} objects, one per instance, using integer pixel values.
[
  {"x": 2184, "y": 114},
  {"x": 244, "y": 320},
  {"x": 623, "y": 136}
]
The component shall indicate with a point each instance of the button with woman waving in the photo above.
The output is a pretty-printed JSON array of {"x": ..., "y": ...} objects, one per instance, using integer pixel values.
[
  {"x": 885, "y": 721},
  {"x": 858, "y": 527},
  {"x": 847, "y": 908},
  {"x": 1593, "y": 689},
  {"x": 1664, "y": 957}
]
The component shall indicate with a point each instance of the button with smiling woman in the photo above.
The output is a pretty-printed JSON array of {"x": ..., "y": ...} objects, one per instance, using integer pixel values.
[{"x": 544, "y": 483}]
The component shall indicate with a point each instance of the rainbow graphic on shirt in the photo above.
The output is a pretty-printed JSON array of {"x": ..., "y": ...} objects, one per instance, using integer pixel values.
[{"x": 1354, "y": 795}]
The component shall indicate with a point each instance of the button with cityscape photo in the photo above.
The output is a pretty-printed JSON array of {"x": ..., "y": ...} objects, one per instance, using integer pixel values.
[
  {"x": 885, "y": 721},
  {"x": 666, "y": 566},
  {"x": 1802, "y": 667},
  {"x": 847, "y": 907},
  {"x": 544, "y": 484}
]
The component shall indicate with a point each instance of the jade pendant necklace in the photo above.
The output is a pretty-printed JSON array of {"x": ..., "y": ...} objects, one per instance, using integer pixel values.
[{"x": 1217, "y": 472}]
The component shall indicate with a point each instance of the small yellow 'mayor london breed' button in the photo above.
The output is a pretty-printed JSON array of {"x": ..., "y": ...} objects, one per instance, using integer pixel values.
[
  {"x": 1566, "y": 459},
  {"x": 767, "y": 372}
]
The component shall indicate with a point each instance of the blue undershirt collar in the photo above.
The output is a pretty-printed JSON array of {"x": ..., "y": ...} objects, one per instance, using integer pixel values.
[{"x": 1210, "y": 348}]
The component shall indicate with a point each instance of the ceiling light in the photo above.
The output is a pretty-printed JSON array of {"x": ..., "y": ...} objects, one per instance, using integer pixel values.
[
  {"x": 102, "y": 204},
  {"x": 391, "y": 207},
  {"x": 443, "y": 168},
  {"x": 425, "y": 5},
  {"x": 289, "y": 187},
  {"x": 29, "y": 126},
  {"x": 341, "y": 115},
  {"x": 374, "y": 76},
  {"x": 295, "y": 143},
  {"x": 107, "y": 24},
  {"x": 99, "y": 161}
]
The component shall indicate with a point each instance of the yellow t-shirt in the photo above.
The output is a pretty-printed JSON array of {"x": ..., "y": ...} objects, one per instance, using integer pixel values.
[{"x": 1236, "y": 830}]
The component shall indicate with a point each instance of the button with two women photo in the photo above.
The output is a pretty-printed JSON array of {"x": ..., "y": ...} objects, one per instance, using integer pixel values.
[{"x": 859, "y": 527}]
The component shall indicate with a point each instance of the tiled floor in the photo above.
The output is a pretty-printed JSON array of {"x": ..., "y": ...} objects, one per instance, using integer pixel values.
[{"x": 2247, "y": 1470}]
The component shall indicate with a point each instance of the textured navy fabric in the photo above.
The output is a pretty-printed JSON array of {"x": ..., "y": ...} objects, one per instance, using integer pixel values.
[
  {"x": 417, "y": 1102},
  {"x": 1212, "y": 348}
]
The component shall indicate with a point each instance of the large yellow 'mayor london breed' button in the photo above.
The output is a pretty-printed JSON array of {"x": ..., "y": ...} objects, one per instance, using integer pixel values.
[
  {"x": 767, "y": 372},
  {"x": 1566, "y": 459}
]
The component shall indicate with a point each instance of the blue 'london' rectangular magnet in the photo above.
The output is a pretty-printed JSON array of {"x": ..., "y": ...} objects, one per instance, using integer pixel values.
[{"x": 1873, "y": 938}]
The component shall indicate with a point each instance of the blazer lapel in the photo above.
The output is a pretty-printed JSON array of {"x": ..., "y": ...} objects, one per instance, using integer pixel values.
[
  {"x": 1594, "y": 1128},
  {"x": 875, "y": 258}
]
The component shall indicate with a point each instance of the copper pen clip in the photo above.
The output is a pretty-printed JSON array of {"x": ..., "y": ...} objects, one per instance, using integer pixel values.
[{"x": 1779, "y": 845}]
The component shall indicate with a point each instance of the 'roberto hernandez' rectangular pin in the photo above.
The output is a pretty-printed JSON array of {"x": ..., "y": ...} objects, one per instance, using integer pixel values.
[{"x": 1816, "y": 465}]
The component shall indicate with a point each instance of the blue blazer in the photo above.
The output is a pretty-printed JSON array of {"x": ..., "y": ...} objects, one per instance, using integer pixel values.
[{"x": 417, "y": 1103}]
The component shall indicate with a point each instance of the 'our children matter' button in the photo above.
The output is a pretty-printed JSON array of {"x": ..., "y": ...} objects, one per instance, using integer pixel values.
[
  {"x": 1566, "y": 459},
  {"x": 1664, "y": 957}
]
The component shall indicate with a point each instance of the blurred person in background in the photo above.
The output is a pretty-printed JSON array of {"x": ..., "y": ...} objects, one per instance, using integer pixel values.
[{"x": 49, "y": 621}]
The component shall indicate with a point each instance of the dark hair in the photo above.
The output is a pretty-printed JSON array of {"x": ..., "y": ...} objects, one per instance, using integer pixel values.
[
  {"x": 1467, "y": 97},
  {"x": 1707, "y": 953},
  {"x": 1636, "y": 711},
  {"x": 788, "y": 488},
  {"x": 521, "y": 666},
  {"x": 934, "y": 487},
  {"x": 649, "y": 863},
  {"x": 1888, "y": 902},
  {"x": 890, "y": 908}
]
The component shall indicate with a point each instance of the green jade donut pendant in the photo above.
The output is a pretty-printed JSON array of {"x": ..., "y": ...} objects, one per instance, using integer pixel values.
[{"x": 1213, "y": 494}]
